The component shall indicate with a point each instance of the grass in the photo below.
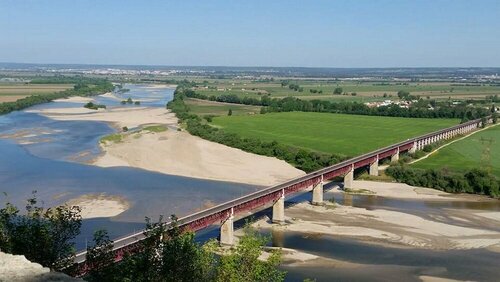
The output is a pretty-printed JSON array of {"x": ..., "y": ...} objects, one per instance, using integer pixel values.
[
  {"x": 113, "y": 138},
  {"x": 349, "y": 135},
  {"x": 156, "y": 128},
  {"x": 202, "y": 107},
  {"x": 468, "y": 153}
]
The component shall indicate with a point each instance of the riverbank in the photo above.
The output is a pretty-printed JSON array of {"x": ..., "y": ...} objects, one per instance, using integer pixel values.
[
  {"x": 174, "y": 152},
  {"x": 179, "y": 153},
  {"x": 446, "y": 229},
  {"x": 412, "y": 233}
]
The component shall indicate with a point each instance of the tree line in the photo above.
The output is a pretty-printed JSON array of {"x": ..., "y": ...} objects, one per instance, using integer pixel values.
[
  {"x": 474, "y": 181},
  {"x": 97, "y": 86},
  {"x": 419, "y": 109},
  {"x": 305, "y": 160}
]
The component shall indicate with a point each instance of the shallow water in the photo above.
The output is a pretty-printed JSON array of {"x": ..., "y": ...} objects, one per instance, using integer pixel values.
[
  {"x": 384, "y": 263},
  {"x": 42, "y": 154}
]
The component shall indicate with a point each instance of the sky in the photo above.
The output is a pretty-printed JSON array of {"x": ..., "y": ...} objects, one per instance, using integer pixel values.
[{"x": 307, "y": 33}]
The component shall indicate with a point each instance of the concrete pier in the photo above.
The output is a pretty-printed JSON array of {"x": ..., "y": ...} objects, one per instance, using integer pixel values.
[
  {"x": 349, "y": 178},
  {"x": 317, "y": 198},
  {"x": 395, "y": 157},
  {"x": 279, "y": 210},
  {"x": 374, "y": 168},
  {"x": 227, "y": 232}
]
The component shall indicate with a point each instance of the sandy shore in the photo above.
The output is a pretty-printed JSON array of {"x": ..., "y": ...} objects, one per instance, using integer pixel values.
[
  {"x": 99, "y": 205},
  {"x": 174, "y": 152},
  {"x": 121, "y": 116},
  {"x": 451, "y": 229},
  {"x": 402, "y": 191},
  {"x": 75, "y": 99},
  {"x": 180, "y": 153}
]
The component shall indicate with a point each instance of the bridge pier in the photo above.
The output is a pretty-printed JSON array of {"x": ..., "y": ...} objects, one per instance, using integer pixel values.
[
  {"x": 279, "y": 209},
  {"x": 413, "y": 148},
  {"x": 349, "y": 178},
  {"x": 227, "y": 231},
  {"x": 317, "y": 198},
  {"x": 374, "y": 168},
  {"x": 395, "y": 157}
]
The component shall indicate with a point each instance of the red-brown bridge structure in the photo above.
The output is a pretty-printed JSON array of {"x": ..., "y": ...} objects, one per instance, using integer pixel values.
[{"x": 225, "y": 213}]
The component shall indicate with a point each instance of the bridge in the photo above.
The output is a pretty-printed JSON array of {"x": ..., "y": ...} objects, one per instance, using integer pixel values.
[{"x": 225, "y": 213}]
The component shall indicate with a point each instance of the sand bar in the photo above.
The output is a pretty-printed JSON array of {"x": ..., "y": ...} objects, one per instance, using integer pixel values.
[
  {"x": 99, "y": 205},
  {"x": 180, "y": 153}
]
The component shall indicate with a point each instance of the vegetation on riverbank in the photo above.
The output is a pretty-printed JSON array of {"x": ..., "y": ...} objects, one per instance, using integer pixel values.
[
  {"x": 473, "y": 181},
  {"x": 113, "y": 138},
  {"x": 82, "y": 87},
  {"x": 93, "y": 106},
  {"x": 155, "y": 128}
]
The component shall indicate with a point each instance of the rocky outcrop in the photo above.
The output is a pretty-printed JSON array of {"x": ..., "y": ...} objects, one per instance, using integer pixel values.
[{"x": 14, "y": 268}]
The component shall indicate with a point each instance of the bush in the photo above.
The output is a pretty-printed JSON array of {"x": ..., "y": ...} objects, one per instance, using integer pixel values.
[{"x": 475, "y": 181}]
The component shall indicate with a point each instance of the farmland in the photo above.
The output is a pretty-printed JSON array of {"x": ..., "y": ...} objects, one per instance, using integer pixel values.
[
  {"x": 360, "y": 91},
  {"x": 331, "y": 133},
  {"x": 480, "y": 150},
  {"x": 203, "y": 108},
  {"x": 10, "y": 92}
]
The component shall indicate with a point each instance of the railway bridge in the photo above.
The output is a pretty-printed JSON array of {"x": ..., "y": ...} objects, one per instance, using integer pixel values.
[{"x": 225, "y": 213}]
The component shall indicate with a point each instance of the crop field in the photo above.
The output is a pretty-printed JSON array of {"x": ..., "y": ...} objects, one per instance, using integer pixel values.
[
  {"x": 352, "y": 91},
  {"x": 202, "y": 108},
  {"x": 481, "y": 150},
  {"x": 349, "y": 135},
  {"x": 10, "y": 92}
]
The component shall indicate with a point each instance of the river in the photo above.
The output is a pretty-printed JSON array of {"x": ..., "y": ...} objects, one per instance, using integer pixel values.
[{"x": 50, "y": 157}]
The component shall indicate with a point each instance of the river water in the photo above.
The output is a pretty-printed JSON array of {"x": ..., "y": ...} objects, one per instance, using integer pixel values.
[{"x": 38, "y": 153}]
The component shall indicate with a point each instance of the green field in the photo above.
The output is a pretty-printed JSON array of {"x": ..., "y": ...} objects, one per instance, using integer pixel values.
[
  {"x": 203, "y": 107},
  {"x": 468, "y": 153},
  {"x": 350, "y": 135}
]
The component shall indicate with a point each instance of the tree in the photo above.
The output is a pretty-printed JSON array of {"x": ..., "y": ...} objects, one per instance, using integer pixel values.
[
  {"x": 243, "y": 263},
  {"x": 404, "y": 95},
  {"x": 129, "y": 100},
  {"x": 494, "y": 117},
  {"x": 42, "y": 235},
  {"x": 230, "y": 112},
  {"x": 338, "y": 91},
  {"x": 483, "y": 122},
  {"x": 100, "y": 258}
]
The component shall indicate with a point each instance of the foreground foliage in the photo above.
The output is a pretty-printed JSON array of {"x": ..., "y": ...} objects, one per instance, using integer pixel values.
[
  {"x": 44, "y": 236},
  {"x": 174, "y": 255}
]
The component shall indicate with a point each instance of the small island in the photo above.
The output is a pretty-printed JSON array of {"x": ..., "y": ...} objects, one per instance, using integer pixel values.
[{"x": 93, "y": 106}]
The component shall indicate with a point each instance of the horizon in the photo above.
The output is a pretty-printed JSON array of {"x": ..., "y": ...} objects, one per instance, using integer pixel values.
[
  {"x": 240, "y": 66},
  {"x": 340, "y": 34}
]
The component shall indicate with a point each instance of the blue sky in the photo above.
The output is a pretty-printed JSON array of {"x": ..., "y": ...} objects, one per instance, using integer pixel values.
[{"x": 252, "y": 33}]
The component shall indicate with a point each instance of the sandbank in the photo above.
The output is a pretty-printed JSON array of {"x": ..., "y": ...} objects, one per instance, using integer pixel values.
[
  {"x": 179, "y": 153},
  {"x": 121, "y": 116},
  {"x": 464, "y": 228},
  {"x": 99, "y": 205}
]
